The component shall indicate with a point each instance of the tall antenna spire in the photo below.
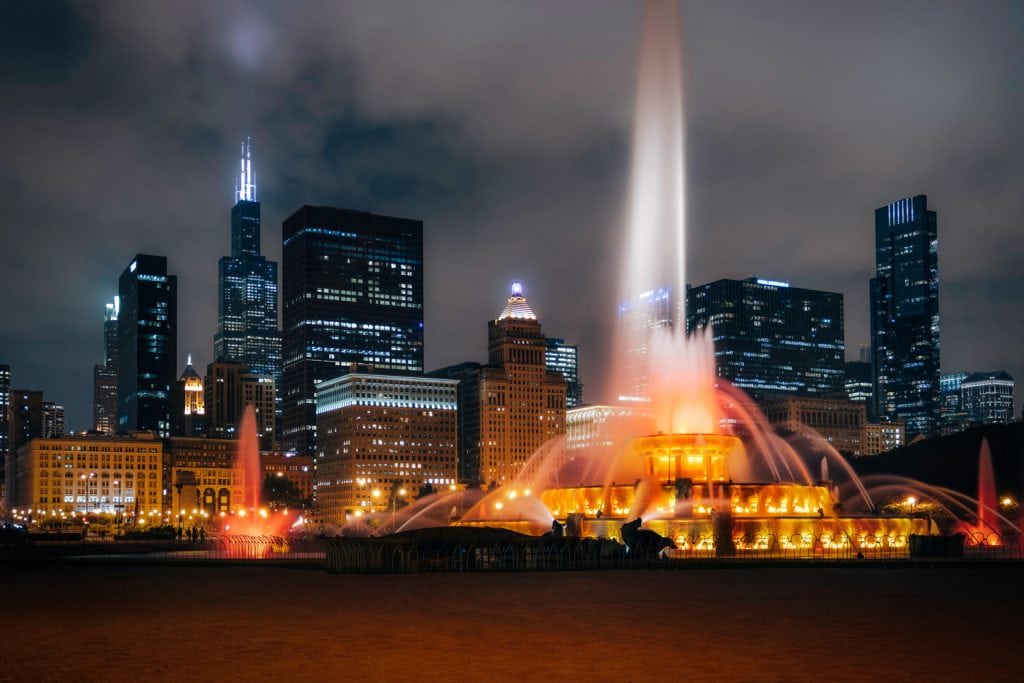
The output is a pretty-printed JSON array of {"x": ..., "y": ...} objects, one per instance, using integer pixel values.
[{"x": 245, "y": 186}]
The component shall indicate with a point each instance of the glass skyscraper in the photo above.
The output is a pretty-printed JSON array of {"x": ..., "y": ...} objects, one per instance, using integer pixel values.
[
  {"x": 147, "y": 345},
  {"x": 104, "y": 377},
  {"x": 5, "y": 423},
  {"x": 247, "y": 329},
  {"x": 564, "y": 358},
  {"x": 353, "y": 293},
  {"x": 905, "y": 315},
  {"x": 770, "y": 337}
]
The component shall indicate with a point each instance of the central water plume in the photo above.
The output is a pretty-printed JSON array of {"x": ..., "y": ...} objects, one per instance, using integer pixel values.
[{"x": 653, "y": 360}]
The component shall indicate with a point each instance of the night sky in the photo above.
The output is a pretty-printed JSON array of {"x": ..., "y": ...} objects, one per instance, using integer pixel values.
[{"x": 505, "y": 128}]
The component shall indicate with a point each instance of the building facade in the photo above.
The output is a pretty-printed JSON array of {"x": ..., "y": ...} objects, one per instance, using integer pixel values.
[
  {"x": 298, "y": 469},
  {"x": 564, "y": 358},
  {"x": 27, "y": 421},
  {"x": 905, "y": 315},
  {"x": 881, "y": 437},
  {"x": 247, "y": 329},
  {"x": 839, "y": 421},
  {"x": 352, "y": 289},
  {"x": 380, "y": 434},
  {"x": 203, "y": 479},
  {"x": 522, "y": 403},
  {"x": 468, "y": 392},
  {"x": 770, "y": 337},
  {"x": 952, "y": 415},
  {"x": 53, "y": 419},
  {"x": 147, "y": 345},
  {"x": 89, "y": 474},
  {"x": 228, "y": 388},
  {"x": 987, "y": 397}
]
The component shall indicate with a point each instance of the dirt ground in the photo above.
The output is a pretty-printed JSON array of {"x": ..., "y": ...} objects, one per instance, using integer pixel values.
[{"x": 99, "y": 622}]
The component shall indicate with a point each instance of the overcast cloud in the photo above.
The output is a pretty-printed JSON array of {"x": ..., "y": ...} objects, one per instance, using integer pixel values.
[{"x": 504, "y": 127}]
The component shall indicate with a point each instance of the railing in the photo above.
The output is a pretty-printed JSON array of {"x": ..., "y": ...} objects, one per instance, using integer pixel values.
[
  {"x": 443, "y": 554},
  {"x": 386, "y": 555},
  {"x": 262, "y": 550}
]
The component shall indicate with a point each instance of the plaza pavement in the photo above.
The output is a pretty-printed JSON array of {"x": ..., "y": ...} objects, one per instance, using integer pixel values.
[{"x": 90, "y": 621}]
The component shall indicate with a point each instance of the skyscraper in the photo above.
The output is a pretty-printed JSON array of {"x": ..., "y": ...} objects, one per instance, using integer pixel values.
[
  {"x": 564, "y": 358},
  {"x": 53, "y": 419},
  {"x": 191, "y": 404},
  {"x": 104, "y": 377},
  {"x": 27, "y": 421},
  {"x": 905, "y": 315},
  {"x": 147, "y": 343},
  {"x": 353, "y": 293},
  {"x": 5, "y": 419},
  {"x": 771, "y": 337},
  {"x": 247, "y": 329},
  {"x": 522, "y": 403}
]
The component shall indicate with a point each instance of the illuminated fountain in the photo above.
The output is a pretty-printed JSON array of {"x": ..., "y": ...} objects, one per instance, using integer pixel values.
[
  {"x": 694, "y": 458},
  {"x": 684, "y": 451},
  {"x": 252, "y": 518}
]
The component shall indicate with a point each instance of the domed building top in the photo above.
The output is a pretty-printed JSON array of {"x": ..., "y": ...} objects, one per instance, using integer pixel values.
[{"x": 516, "y": 307}]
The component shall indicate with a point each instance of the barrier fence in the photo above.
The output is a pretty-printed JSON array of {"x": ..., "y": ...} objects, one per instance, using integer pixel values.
[
  {"x": 384, "y": 555},
  {"x": 395, "y": 554}
]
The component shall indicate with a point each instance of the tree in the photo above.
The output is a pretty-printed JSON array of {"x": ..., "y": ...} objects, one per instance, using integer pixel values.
[{"x": 282, "y": 492}]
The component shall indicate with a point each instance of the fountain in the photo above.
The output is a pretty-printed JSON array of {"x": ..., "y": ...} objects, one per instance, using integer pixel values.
[
  {"x": 253, "y": 518},
  {"x": 691, "y": 457}
]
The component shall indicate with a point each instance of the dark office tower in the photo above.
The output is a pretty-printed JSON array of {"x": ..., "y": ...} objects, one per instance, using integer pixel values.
[
  {"x": 247, "y": 329},
  {"x": 770, "y": 337},
  {"x": 53, "y": 420},
  {"x": 564, "y": 358},
  {"x": 5, "y": 419},
  {"x": 353, "y": 293},
  {"x": 104, "y": 377},
  {"x": 147, "y": 344},
  {"x": 905, "y": 315},
  {"x": 26, "y": 417}
]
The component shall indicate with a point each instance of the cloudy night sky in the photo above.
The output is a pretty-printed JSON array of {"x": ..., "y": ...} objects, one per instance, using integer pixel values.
[{"x": 505, "y": 128}]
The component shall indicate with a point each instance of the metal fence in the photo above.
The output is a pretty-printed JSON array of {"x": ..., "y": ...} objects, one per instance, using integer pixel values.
[
  {"x": 254, "y": 550},
  {"x": 384, "y": 555},
  {"x": 440, "y": 554}
]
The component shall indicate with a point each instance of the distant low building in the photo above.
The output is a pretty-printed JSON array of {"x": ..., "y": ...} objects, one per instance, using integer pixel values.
[
  {"x": 973, "y": 399},
  {"x": 881, "y": 437},
  {"x": 839, "y": 420},
  {"x": 88, "y": 474},
  {"x": 203, "y": 479},
  {"x": 988, "y": 397}
]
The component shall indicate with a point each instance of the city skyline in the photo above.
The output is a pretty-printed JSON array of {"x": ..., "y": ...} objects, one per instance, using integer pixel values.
[{"x": 518, "y": 168}]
